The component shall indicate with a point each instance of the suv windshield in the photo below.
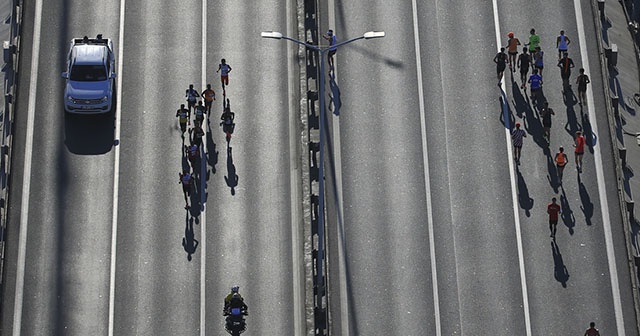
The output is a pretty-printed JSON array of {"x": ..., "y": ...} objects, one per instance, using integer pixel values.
[{"x": 88, "y": 73}]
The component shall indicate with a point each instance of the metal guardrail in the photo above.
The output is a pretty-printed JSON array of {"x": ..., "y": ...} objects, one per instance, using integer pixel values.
[{"x": 11, "y": 48}]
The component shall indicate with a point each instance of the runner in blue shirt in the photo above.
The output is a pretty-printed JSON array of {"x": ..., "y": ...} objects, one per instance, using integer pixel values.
[{"x": 535, "y": 82}]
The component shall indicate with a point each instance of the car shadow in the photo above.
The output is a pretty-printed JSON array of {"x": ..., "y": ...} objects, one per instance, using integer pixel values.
[{"x": 89, "y": 134}]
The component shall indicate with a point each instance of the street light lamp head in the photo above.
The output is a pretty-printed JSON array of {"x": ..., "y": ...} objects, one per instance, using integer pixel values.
[
  {"x": 271, "y": 34},
  {"x": 373, "y": 34}
]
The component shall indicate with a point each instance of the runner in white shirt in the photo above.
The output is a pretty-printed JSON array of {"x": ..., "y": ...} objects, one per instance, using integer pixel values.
[{"x": 224, "y": 70}]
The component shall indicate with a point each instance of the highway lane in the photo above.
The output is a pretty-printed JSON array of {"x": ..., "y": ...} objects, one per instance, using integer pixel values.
[
  {"x": 475, "y": 228},
  {"x": 157, "y": 289},
  {"x": 66, "y": 278},
  {"x": 249, "y": 218},
  {"x": 388, "y": 271},
  {"x": 569, "y": 281},
  {"x": 246, "y": 226}
]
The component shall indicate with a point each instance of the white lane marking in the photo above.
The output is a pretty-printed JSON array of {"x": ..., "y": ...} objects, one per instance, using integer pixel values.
[
  {"x": 203, "y": 174},
  {"x": 604, "y": 206},
  {"x": 116, "y": 173},
  {"x": 514, "y": 192},
  {"x": 297, "y": 233},
  {"x": 26, "y": 178},
  {"x": 335, "y": 124},
  {"x": 425, "y": 160}
]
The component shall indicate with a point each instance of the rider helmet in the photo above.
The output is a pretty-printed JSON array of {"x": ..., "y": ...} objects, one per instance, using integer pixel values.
[
  {"x": 235, "y": 288},
  {"x": 510, "y": 34}
]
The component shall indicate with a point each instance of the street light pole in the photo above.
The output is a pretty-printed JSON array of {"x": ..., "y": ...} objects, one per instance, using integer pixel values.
[{"x": 322, "y": 117}]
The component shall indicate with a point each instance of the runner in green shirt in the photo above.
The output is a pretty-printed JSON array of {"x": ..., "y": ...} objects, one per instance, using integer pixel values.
[{"x": 534, "y": 40}]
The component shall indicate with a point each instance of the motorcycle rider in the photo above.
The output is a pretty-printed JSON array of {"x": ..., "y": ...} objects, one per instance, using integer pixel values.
[{"x": 234, "y": 300}]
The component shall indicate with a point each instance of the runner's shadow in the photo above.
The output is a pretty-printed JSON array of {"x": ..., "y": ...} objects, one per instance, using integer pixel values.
[
  {"x": 186, "y": 166},
  {"x": 589, "y": 136},
  {"x": 211, "y": 154},
  {"x": 533, "y": 126},
  {"x": 560, "y": 271},
  {"x": 567, "y": 214},
  {"x": 520, "y": 103},
  {"x": 586, "y": 206},
  {"x": 189, "y": 243},
  {"x": 552, "y": 173},
  {"x": 525, "y": 200},
  {"x": 195, "y": 197},
  {"x": 335, "y": 94},
  {"x": 232, "y": 177},
  {"x": 572, "y": 121},
  {"x": 505, "y": 110}
]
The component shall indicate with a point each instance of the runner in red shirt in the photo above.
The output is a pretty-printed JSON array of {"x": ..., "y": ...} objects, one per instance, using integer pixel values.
[
  {"x": 579, "y": 145},
  {"x": 553, "y": 209},
  {"x": 592, "y": 331}
]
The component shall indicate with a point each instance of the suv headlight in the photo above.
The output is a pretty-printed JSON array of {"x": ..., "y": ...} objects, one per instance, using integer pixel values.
[
  {"x": 104, "y": 99},
  {"x": 70, "y": 99}
]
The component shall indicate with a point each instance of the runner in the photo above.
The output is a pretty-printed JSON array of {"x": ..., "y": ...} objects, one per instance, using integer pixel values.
[
  {"x": 592, "y": 331},
  {"x": 553, "y": 209},
  {"x": 199, "y": 112},
  {"x": 561, "y": 161},
  {"x": 538, "y": 59},
  {"x": 565, "y": 64},
  {"x": 209, "y": 96},
  {"x": 536, "y": 87},
  {"x": 579, "y": 150},
  {"x": 333, "y": 40},
  {"x": 534, "y": 40},
  {"x": 547, "y": 112},
  {"x": 512, "y": 49},
  {"x": 224, "y": 70},
  {"x": 517, "y": 137},
  {"x": 196, "y": 134},
  {"x": 183, "y": 118},
  {"x": 524, "y": 60},
  {"x": 582, "y": 82},
  {"x": 191, "y": 95},
  {"x": 187, "y": 184},
  {"x": 501, "y": 61},
  {"x": 562, "y": 43}
]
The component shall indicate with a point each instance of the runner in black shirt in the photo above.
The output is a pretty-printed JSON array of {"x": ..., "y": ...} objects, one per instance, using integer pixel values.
[
  {"x": 524, "y": 60},
  {"x": 501, "y": 61}
]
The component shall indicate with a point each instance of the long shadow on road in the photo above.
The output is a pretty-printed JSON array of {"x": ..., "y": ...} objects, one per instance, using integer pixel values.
[
  {"x": 525, "y": 200},
  {"x": 560, "y": 271}
]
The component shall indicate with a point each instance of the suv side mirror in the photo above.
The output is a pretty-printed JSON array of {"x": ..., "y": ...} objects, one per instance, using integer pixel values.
[
  {"x": 113, "y": 75},
  {"x": 65, "y": 75}
]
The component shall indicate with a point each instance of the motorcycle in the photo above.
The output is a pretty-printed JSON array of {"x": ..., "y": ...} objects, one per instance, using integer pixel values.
[{"x": 235, "y": 323}]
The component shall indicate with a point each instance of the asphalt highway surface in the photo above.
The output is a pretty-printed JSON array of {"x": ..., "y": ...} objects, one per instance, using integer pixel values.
[
  {"x": 432, "y": 228},
  {"x": 110, "y": 248}
]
